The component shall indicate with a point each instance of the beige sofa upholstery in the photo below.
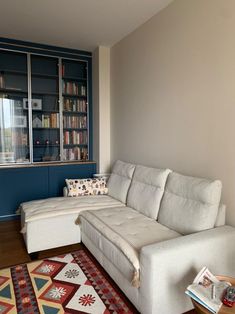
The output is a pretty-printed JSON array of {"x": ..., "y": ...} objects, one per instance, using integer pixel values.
[
  {"x": 152, "y": 233},
  {"x": 173, "y": 225}
]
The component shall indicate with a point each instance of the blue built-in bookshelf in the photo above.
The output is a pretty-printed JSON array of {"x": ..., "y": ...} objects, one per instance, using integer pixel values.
[{"x": 45, "y": 120}]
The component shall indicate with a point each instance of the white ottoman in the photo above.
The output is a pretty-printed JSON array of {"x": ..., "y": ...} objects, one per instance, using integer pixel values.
[{"x": 50, "y": 223}]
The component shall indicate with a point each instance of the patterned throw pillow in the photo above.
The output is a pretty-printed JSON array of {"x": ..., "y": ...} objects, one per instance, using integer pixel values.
[{"x": 90, "y": 186}]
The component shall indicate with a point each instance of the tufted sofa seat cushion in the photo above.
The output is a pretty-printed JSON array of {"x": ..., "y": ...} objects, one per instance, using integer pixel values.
[
  {"x": 57, "y": 206},
  {"x": 133, "y": 227},
  {"x": 146, "y": 190}
]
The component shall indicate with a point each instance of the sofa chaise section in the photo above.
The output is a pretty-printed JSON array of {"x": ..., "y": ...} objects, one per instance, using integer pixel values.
[{"x": 50, "y": 223}]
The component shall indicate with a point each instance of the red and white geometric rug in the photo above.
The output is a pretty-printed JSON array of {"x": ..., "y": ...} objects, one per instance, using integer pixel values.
[{"x": 71, "y": 283}]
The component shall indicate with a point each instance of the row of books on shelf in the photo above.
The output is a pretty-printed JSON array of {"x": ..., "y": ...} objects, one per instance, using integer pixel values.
[
  {"x": 76, "y": 122},
  {"x": 2, "y": 83},
  {"x": 74, "y": 88},
  {"x": 75, "y": 105},
  {"x": 51, "y": 120},
  {"x": 75, "y": 137},
  {"x": 76, "y": 153}
]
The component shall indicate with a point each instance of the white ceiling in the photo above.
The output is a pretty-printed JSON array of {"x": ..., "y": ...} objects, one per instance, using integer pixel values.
[{"x": 79, "y": 24}]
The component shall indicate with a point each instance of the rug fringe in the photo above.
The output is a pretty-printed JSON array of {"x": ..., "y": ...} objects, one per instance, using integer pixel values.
[
  {"x": 23, "y": 230},
  {"x": 18, "y": 211},
  {"x": 78, "y": 221},
  {"x": 136, "y": 279}
]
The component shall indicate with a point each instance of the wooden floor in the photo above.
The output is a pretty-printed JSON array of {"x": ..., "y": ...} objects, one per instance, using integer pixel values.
[{"x": 13, "y": 251}]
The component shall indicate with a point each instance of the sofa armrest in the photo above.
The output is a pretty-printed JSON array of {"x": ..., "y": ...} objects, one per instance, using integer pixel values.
[
  {"x": 65, "y": 191},
  {"x": 168, "y": 267}
]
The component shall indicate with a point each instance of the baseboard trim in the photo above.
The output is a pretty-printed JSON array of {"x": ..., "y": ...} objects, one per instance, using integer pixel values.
[{"x": 9, "y": 217}]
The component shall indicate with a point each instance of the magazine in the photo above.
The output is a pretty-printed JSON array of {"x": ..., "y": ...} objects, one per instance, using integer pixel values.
[{"x": 207, "y": 290}]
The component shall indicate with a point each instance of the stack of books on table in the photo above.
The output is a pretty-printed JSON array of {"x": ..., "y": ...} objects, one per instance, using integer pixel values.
[{"x": 207, "y": 290}]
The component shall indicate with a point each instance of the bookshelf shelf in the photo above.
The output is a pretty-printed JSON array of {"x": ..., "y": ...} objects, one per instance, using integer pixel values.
[
  {"x": 45, "y": 75},
  {"x": 45, "y": 128},
  {"x": 45, "y": 93},
  {"x": 73, "y": 145},
  {"x": 74, "y": 113},
  {"x": 19, "y": 127},
  {"x": 75, "y": 129},
  {"x": 13, "y": 90},
  {"x": 45, "y": 111},
  {"x": 74, "y": 96},
  {"x": 3, "y": 71},
  {"x": 45, "y": 145},
  {"x": 16, "y": 145},
  {"x": 75, "y": 79}
]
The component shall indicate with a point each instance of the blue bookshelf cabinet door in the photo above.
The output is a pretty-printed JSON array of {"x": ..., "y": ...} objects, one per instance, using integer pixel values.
[
  {"x": 19, "y": 185},
  {"x": 75, "y": 110},
  {"x": 45, "y": 108},
  {"x": 14, "y": 121}
]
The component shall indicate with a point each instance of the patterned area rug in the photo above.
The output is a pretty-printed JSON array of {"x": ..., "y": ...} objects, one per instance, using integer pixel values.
[{"x": 71, "y": 283}]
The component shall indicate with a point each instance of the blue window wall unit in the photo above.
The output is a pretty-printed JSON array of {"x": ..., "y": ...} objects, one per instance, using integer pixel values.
[
  {"x": 42, "y": 170},
  {"x": 56, "y": 77}
]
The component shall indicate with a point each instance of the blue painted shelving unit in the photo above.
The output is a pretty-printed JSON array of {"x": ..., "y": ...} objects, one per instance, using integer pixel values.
[{"x": 53, "y": 76}]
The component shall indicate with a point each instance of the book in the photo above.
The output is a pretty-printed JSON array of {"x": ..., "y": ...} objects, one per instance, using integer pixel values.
[
  {"x": 207, "y": 290},
  {"x": 75, "y": 105},
  {"x": 2, "y": 83}
]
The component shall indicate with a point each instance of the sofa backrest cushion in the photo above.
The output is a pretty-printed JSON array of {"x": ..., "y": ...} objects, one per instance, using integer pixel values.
[
  {"x": 189, "y": 204},
  {"x": 120, "y": 180},
  {"x": 146, "y": 190}
]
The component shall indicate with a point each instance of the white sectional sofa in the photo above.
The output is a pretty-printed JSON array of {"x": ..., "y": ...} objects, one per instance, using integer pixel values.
[{"x": 152, "y": 232}]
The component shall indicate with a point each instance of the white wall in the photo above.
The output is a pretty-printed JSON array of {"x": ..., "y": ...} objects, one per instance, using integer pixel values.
[
  {"x": 95, "y": 103},
  {"x": 101, "y": 108},
  {"x": 173, "y": 93}
]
